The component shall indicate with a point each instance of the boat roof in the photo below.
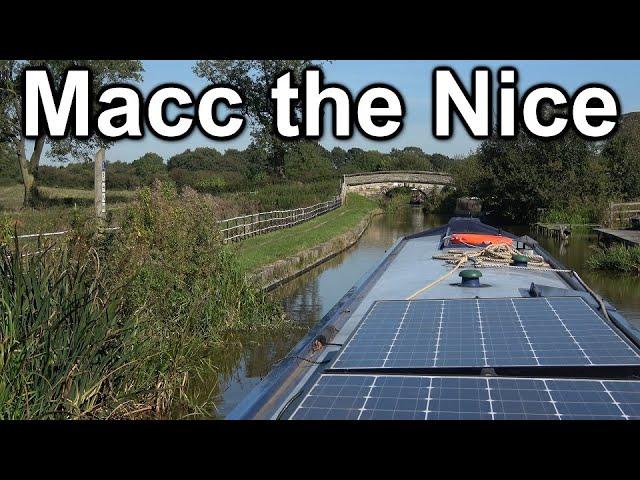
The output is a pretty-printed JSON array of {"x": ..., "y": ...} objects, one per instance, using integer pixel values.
[{"x": 343, "y": 354}]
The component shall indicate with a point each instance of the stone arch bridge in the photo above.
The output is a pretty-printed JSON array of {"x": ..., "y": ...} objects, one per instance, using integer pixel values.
[{"x": 379, "y": 183}]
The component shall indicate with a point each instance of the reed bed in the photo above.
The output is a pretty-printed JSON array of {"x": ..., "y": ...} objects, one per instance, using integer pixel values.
[
  {"x": 120, "y": 325},
  {"x": 617, "y": 258}
]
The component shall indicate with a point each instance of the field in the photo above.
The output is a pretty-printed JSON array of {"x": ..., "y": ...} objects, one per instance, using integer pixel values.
[
  {"x": 262, "y": 250},
  {"x": 60, "y": 206}
]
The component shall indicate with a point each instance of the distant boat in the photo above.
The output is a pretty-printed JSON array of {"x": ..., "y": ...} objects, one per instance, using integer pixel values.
[
  {"x": 468, "y": 207},
  {"x": 464, "y": 321}
]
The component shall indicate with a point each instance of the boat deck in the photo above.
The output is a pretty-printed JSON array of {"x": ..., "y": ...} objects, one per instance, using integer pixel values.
[
  {"x": 496, "y": 351},
  {"x": 413, "y": 267}
]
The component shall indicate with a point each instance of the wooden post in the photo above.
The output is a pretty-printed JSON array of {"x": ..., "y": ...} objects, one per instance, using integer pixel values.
[
  {"x": 611, "y": 215},
  {"x": 100, "y": 186}
]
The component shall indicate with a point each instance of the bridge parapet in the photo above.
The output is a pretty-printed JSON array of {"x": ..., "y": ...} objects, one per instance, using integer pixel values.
[{"x": 431, "y": 178}]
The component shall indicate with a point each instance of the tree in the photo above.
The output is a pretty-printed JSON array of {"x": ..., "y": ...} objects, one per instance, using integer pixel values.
[
  {"x": 254, "y": 79},
  {"x": 307, "y": 161},
  {"x": 338, "y": 157},
  {"x": 409, "y": 158},
  {"x": 622, "y": 157},
  {"x": 103, "y": 72},
  {"x": 520, "y": 175},
  {"x": 149, "y": 166},
  {"x": 201, "y": 158}
]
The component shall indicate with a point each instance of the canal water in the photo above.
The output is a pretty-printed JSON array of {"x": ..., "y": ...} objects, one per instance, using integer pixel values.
[{"x": 309, "y": 297}]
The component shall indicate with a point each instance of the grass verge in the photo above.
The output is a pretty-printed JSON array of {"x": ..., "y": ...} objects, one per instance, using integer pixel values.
[{"x": 279, "y": 254}]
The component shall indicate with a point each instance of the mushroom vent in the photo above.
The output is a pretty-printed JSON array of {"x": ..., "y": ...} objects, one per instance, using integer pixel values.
[
  {"x": 470, "y": 278},
  {"x": 519, "y": 260}
]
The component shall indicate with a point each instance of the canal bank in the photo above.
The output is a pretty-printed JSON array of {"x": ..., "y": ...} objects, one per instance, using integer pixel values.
[
  {"x": 275, "y": 257},
  {"x": 275, "y": 274}
]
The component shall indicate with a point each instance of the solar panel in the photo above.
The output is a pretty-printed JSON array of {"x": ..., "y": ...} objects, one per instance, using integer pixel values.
[
  {"x": 377, "y": 397},
  {"x": 563, "y": 331}
]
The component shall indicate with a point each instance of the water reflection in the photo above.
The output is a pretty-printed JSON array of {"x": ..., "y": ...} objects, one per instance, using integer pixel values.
[{"x": 622, "y": 290}]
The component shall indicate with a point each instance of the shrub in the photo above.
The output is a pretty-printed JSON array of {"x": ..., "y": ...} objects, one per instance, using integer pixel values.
[
  {"x": 212, "y": 185},
  {"x": 183, "y": 286},
  {"x": 616, "y": 258}
]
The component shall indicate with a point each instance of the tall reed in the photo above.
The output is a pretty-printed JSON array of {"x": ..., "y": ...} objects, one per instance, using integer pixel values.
[{"x": 65, "y": 350}]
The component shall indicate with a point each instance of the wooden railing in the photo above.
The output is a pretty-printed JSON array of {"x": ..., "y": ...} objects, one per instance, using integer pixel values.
[
  {"x": 620, "y": 213},
  {"x": 239, "y": 228}
]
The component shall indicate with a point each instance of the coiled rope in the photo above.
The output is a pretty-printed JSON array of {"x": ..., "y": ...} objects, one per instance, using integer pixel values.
[
  {"x": 499, "y": 253},
  {"x": 492, "y": 255}
]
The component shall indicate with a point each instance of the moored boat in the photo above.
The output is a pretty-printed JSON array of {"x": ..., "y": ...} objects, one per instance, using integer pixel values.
[{"x": 464, "y": 321}]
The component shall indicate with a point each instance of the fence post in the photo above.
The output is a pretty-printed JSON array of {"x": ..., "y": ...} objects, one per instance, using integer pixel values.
[
  {"x": 611, "y": 214},
  {"x": 100, "y": 186}
]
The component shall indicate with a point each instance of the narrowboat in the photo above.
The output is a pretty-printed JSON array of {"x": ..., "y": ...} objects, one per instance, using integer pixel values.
[{"x": 464, "y": 321}]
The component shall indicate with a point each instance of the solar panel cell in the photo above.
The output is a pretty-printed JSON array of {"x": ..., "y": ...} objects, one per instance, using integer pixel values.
[
  {"x": 484, "y": 332},
  {"x": 375, "y": 397}
]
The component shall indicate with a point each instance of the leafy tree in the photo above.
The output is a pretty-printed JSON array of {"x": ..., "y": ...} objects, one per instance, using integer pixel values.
[
  {"x": 468, "y": 175},
  {"x": 622, "y": 157},
  {"x": 149, "y": 166},
  {"x": 254, "y": 79},
  {"x": 523, "y": 174},
  {"x": 9, "y": 172},
  {"x": 409, "y": 158},
  {"x": 338, "y": 157},
  {"x": 442, "y": 163},
  {"x": 202, "y": 158},
  {"x": 307, "y": 161},
  {"x": 359, "y": 160},
  {"x": 104, "y": 71}
]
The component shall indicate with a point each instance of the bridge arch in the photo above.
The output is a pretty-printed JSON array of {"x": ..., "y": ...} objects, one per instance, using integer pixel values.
[{"x": 379, "y": 183}]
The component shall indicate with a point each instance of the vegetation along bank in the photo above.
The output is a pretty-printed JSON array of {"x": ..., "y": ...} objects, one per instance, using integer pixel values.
[{"x": 118, "y": 326}]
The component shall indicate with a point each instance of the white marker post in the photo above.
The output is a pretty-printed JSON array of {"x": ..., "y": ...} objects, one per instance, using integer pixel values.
[{"x": 100, "y": 185}]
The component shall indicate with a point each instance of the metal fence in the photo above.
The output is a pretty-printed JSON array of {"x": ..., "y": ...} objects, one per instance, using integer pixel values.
[{"x": 239, "y": 228}]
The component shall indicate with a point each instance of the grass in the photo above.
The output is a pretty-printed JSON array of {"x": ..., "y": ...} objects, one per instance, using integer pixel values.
[
  {"x": 616, "y": 258},
  {"x": 65, "y": 349},
  {"x": 284, "y": 195},
  {"x": 582, "y": 215},
  {"x": 60, "y": 208},
  {"x": 265, "y": 249}
]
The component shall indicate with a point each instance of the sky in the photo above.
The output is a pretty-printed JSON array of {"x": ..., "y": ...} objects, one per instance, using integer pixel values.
[{"x": 411, "y": 78}]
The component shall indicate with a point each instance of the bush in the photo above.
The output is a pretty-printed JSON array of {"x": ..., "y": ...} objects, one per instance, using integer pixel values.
[
  {"x": 9, "y": 171},
  {"x": 285, "y": 195},
  {"x": 124, "y": 324},
  {"x": 616, "y": 258},
  {"x": 183, "y": 286},
  {"x": 575, "y": 215},
  {"x": 441, "y": 201},
  {"x": 212, "y": 185}
]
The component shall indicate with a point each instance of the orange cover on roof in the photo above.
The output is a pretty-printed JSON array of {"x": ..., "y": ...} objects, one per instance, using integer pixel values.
[{"x": 479, "y": 239}]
